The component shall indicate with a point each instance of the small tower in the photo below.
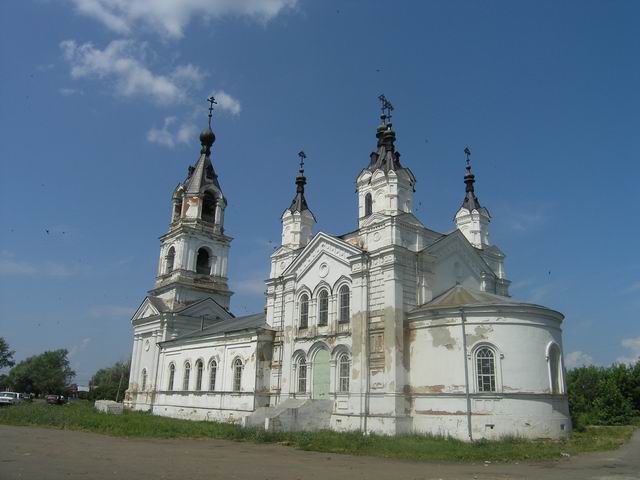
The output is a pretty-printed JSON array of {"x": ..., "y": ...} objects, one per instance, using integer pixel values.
[
  {"x": 194, "y": 252},
  {"x": 472, "y": 219},
  {"x": 297, "y": 220},
  {"x": 385, "y": 187}
]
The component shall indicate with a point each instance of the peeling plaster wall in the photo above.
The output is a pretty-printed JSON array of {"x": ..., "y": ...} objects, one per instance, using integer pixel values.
[{"x": 522, "y": 404}]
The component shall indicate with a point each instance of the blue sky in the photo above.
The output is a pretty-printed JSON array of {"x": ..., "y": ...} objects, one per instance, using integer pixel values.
[{"x": 101, "y": 102}]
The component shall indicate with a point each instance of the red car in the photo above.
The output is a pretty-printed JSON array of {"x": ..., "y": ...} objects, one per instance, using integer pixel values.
[{"x": 55, "y": 399}]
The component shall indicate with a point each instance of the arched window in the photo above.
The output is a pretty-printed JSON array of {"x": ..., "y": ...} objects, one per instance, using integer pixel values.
[
  {"x": 213, "y": 370},
  {"x": 368, "y": 205},
  {"x": 177, "y": 209},
  {"x": 343, "y": 373},
  {"x": 199, "y": 368},
  {"x": 486, "y": 370},
  {"x": 323, "y": 308},
  {"x": 169, "y": 259},
  {"x": 185, "y": 379},
  {"x": 144, "y": 380},
  {"x": 555, "y": 372},
  {"x": 209, "y": 207},
  {"x": 344, "y": 304},
  {"x": 302, "y": 376},
  {"x": 203, "y": 265},
  {"x": 172, "y": 376},
  {"x": 237, "y": 375},
  {"x": 304, "y": 310}
]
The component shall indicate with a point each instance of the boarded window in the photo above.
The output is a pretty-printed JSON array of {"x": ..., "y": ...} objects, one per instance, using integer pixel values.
[
  {"x": 486, "y": 370},
  {"x": 144, "y": 380},
  {"x": 323, "y": 308}
]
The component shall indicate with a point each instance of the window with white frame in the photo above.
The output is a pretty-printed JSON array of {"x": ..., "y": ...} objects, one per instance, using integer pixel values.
[
  {"x": 199, "y": 369},
  {"x": 172, "y": 376},
  {"x": 486, "y": 369},
  {"x": 555, "y": 372},
  {"x": 213, "y": 370},
  {"x": 323, "y": 308},
  {"x": 185, "y": 379},
  {"x": 144, "y": 380},
  {"x": 304, "y": 310},
  {"x": 302, "y": 376},
  {"x": 344, "y": 304},
  {"x": 344, "y": 372},
  {"x": 237, "y": 375}
]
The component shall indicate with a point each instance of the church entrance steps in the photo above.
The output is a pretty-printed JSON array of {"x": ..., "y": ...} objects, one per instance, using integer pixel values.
[{"x": 292, "y": 415}]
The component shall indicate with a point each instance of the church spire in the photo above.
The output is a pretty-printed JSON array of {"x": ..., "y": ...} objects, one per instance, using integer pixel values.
[
  {"x": 385, "y": 157},
  {"x": 472, "y": 219},
  {"x": 470, "y": 201},
  {"x": 298, "y": 220},
  {"x": 299, "y": 203}
]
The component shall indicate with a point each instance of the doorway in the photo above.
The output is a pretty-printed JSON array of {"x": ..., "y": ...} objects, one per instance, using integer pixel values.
[{"x": 321, "y": 375}]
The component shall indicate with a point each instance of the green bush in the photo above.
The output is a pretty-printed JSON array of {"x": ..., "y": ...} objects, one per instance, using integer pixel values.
[{"x": 604, "y": 395}]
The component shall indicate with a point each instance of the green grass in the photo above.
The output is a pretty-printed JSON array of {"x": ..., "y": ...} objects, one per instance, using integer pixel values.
[{"x": 81, "y": 415}]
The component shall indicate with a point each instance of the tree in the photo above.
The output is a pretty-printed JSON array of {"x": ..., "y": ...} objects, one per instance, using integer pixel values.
[
  {"x": 6, "y": 355},
  {"x": 48, "y": 372},
  {"x": 107, "y": 382}
]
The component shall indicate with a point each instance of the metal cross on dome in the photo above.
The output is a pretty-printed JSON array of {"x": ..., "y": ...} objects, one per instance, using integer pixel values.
[
  {"x": 211, "y": 101},
  {"x": 386, "y": 107},
  {"x": 302, "y": 156},
  {"x": 467, "y": 152}
]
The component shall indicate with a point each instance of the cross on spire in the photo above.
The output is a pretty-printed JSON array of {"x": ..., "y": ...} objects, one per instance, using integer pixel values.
[
  {"x": 467, "y": 152},
  {"x": 211, "y": 101},
  {"x": 302, "y": 156},
  {"x": 386, "y": 107}
]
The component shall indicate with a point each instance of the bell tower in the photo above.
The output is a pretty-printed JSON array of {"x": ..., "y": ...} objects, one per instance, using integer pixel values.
[
  {"x": 194, "y": 252},
  {"x": 385, "y": 187}
]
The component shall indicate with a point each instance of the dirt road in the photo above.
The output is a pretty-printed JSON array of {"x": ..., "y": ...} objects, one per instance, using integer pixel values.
[{"x": 36, "y": 453}]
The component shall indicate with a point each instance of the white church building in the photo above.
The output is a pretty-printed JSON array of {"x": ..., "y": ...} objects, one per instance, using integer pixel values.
[{"x": 391, "y": 328}]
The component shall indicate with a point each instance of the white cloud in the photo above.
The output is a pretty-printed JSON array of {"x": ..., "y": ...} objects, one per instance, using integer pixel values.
[
  {"x": 10, "y": 266},
  {"x": 110, "y": 311},
  {"x": 227, "y": 103},
  {"x": 170, "y": 134},
  {"x": 170, "y": 17},
  {"x": 122, "y": 61},
  {"x": 577, "y": 359},
  {"x": 75, "y": 349},
  {"x": 633, "y": 345}
]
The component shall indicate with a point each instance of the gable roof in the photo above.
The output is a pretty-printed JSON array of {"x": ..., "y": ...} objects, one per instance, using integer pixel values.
[
  {"x": 304, "y": 253},
  {"x": 454, "y": 236},
  {"x": 249, "y": 322}
]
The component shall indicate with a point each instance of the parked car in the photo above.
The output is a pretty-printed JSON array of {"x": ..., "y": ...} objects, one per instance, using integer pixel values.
[
  {"x": 26, "y": 397},
  {"x": 9, "y": 398},
  {"x": 55, "y": 399}
]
